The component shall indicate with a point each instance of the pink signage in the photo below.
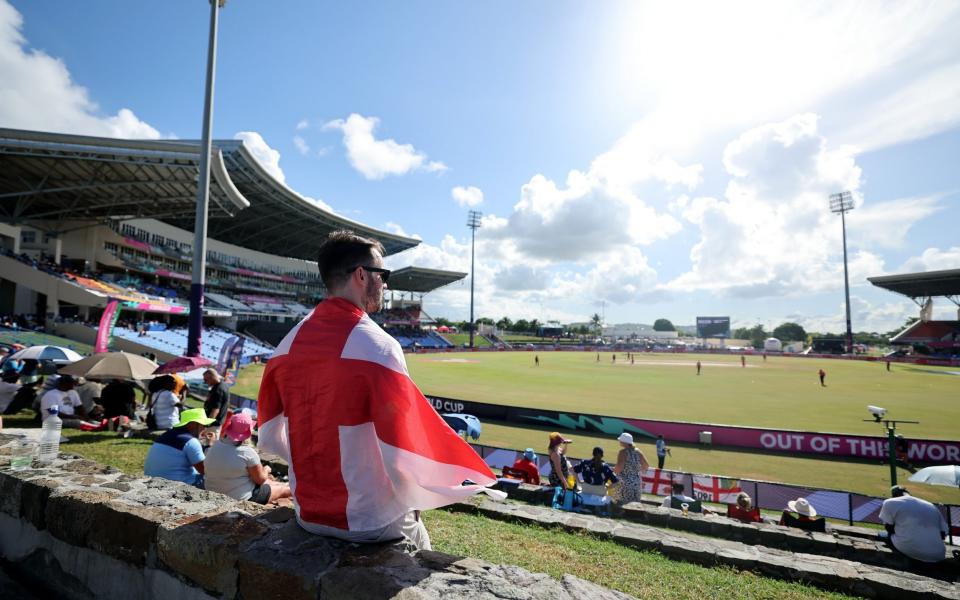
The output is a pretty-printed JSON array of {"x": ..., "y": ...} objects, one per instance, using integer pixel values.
[
  {"x": 785, "y": 440},
  {"x": 135, "y": 243},
  {"x": 160, "y": 308},
  {"x": 107, "y": 321}
]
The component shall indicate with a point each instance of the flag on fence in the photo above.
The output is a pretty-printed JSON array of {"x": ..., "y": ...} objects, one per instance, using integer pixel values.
[
  {"x": 226, "y": 353},
  {"x": 105, "y": 331},
  {"x": 364, "y": 446},
  {"x": 657, "y": 482},
  {"x": 715, "y": 489}
]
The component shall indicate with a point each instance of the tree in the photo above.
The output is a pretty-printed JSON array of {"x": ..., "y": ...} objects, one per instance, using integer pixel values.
[
  {"x": 663, "y": 325},
  {"x": 533, "y": 326},
  {"x": 790, "y": 332},
  {"x": 484, "y": 321},
  {"x": 597, "y": 322},
  {"x": 521, "y": 325},
  {"x": 504, "y": 324},
  {"x": 440, "y": 321}
]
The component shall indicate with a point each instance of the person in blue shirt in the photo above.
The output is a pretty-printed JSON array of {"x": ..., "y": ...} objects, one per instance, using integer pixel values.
[
  {"x": 177, "y": 454},
  {"x": 595, "y": 471}
]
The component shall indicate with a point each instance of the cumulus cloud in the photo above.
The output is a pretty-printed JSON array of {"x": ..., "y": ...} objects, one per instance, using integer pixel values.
[
  {"x": 269, "y": 158},
  {"x": 865, "y": 316},
  {"x": 772, "y": 233},
  {"x": 467, "y": 197},
  {"x": 301, "y": 145},
  {"x": 38, "y": 92},
  {"x": 302, "y": 124},
  {"x": 932, "y": 259},
  {"x": 376, "y": 159}
]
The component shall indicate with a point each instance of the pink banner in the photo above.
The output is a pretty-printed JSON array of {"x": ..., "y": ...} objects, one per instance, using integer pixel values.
[
  {"x": 159, "y": 308},
  {"x": 106, "y": 326},
  {"x": 172, "y": 274},
  {"x": 830, "y": 444},
  {"x": 135, "y": 243}
]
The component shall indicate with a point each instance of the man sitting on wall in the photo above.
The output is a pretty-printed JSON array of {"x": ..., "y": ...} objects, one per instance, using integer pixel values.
[{"x": 915, "y": 527}]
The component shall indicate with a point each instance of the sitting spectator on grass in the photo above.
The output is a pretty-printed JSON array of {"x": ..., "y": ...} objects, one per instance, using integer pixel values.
[
  {"x": 66, "y": 401},
  {"x": 595, "y": 474},
  {"x": 233, "y": 467},
  {"x": 915, "y": 527},
  {"x": 678, "y": 495},
  {"x": 527, "y": 463},
  {"x": 559, "y": 465},
  {"x": 164, "y": 408},
  {"x": 177, "y": 455},
  {"x": 119, "y": 399},
  {"x": 744, "y": 510}
]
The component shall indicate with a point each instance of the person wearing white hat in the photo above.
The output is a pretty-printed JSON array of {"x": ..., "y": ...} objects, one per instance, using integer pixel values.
[
  {"x": 631, "y": 463},
  {"x": 806, "y": 515}
]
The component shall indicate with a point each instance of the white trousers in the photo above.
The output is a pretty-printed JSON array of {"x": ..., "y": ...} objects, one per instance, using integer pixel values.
[{"x": 407, "y": 526}]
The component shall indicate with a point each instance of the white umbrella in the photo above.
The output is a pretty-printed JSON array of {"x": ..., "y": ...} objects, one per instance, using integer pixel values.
[
  {"x": 939, "y": 475},
  {"x": 57, "y": 354}
]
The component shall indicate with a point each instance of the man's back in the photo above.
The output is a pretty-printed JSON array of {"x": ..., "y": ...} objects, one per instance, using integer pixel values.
[
  {"x": 917, "y": 527},
  {"x": 364, "y": 445}
]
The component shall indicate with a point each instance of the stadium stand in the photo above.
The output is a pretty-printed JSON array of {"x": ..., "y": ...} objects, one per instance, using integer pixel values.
[{"x": 927, "y": 336}]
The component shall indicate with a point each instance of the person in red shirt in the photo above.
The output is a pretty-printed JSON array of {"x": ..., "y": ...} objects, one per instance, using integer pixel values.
[{"x": 528, "y": 464}]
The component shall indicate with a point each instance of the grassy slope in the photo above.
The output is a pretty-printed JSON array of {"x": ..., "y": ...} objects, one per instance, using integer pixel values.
[
  {"x": 30, "y": 338},
  {"x": 552, "y": 551},
  {"x": 459, "y": 339}
]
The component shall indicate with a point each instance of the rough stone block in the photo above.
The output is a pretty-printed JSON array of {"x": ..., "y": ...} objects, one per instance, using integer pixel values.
[
  {"x": 286, "y": 564},
  {"x": 33, "y": 499},
  {"x": 71, "y": 515},
  {"x": 206, "y": 550},
  {"x": 10, "y": 490}
]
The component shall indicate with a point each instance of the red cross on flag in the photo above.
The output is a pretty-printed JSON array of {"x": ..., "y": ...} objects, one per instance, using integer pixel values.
[
  {"x": 657, "y": 482},
  {"x": 716, "y": 489}
]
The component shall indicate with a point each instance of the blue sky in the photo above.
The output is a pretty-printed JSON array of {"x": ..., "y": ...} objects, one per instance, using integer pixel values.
[{"x": 665, "y": 160}]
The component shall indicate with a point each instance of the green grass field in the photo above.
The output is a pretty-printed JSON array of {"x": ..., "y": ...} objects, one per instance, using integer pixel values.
[
  {"x": 781, "y": 392},
  {"x": 459, "y": 339},
  {"x": 31, "y": 338}
]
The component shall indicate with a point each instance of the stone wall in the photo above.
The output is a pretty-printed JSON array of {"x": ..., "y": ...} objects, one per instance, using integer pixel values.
[{"x": 76, "y": 529}]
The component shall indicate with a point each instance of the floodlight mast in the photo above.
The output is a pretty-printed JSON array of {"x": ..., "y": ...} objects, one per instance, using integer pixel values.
[
  {"x": 843, "y": 203},
  {"x": 195, "y": 323},
  {"x": 473, "y": 222}
]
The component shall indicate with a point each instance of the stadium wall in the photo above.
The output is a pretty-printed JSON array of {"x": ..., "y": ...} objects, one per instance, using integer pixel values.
[{"x": 841, "y": 445}]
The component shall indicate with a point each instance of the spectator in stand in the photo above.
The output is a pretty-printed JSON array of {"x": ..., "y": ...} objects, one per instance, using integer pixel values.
[
  {"x": 744, "y": 510},
  {"x": 677, "y": 488},
  {"x": 528, "y": 464},
  {"x": 8, "y": 391},
  {"x": 177, "y": 455},
  {"x": 559, "y": 465},
  {"x": 164, "y": 409},
  {"x": 119, "y": 399},
  {"x": 915, "y": 527},
  {"x": 233, "y": 467},
  {"x": 631, "y": 463},
  {"x": 63, "y": 399}
]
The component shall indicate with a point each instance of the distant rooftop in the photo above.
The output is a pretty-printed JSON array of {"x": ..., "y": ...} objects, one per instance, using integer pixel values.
[
  {"x": 421, "y": 280},
  {"x": 928, "y": 284}
]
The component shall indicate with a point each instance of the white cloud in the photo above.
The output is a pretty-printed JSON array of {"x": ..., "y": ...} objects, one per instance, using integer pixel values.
[
  {"x": 864, "y": 316},
  {"x": 268, "y": 157},
  {"x": 888, "y": 224},
  {"x": 467, "y": 196},
  {"x": 301, "y": 144},
  {"x": 37, "y": 91},
  {"x": 376, "y": 159},
  {"x": 303, "y": 124},
  {"x": 933, "y": 259}
]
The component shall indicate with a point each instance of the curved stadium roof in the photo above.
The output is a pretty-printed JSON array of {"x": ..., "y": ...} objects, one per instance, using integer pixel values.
[
  {"x": 53, "y": 176},
  {"x": 921, "y": 285}
]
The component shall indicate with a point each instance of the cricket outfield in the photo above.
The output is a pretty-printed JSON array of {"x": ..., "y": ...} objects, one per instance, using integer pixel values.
[{"x": 781, "y": 392}]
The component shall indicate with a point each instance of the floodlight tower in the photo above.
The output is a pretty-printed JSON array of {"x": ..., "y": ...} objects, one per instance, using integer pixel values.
[
  {"x": 195, "y": 324},
  {"x": 473, "y": 222},
  {"x": 843, "y": 203}
]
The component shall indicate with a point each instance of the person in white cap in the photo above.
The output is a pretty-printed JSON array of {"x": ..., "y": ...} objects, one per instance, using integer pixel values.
[{"x": 630, "y": 466}]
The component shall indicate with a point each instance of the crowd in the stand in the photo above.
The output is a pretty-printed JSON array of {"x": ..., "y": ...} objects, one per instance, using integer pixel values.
[{"x": 915, "y": 528}]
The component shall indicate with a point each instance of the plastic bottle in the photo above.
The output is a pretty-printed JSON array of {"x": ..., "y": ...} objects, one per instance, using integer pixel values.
[{"x": 50, "y": 437}]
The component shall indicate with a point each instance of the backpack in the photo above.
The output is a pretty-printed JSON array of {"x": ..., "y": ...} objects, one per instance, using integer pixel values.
[{"x": 568, "y": 500}]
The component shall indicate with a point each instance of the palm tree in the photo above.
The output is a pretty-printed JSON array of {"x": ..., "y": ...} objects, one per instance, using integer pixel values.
[{"x": 597, "y": 322}]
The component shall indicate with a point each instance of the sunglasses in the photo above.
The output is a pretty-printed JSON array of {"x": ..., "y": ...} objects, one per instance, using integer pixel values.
[{"x": 384, "y": 273}]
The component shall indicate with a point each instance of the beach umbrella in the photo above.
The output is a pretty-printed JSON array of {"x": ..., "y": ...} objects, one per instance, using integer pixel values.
[
  {"x": 57, "y": 354},
  {"x": 112, "y": 365},
  {"x": 939, "y": 475},
  {"x": 183, "y": 364},
  {"x": 467, "y": 424}
]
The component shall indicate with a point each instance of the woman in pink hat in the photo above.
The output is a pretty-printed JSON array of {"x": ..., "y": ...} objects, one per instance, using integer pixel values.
[{"x": 233, "y": 467}]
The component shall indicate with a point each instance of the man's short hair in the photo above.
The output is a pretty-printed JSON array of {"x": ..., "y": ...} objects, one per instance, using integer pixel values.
[
  {"x": 898, "y": 490},
  {"x": 677, "y": 487},
  {"x": 342, "y": 250}
]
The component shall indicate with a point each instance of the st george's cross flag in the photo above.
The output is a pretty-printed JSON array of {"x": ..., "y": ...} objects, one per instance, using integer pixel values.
[
  {"x": 657, "y": 482},
  {"x": 363, "y": 445},
  {"x": 716, "y": 489}
]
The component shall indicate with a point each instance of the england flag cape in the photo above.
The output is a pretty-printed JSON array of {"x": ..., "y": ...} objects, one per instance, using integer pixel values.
[{"x": 363, "y": 445}]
